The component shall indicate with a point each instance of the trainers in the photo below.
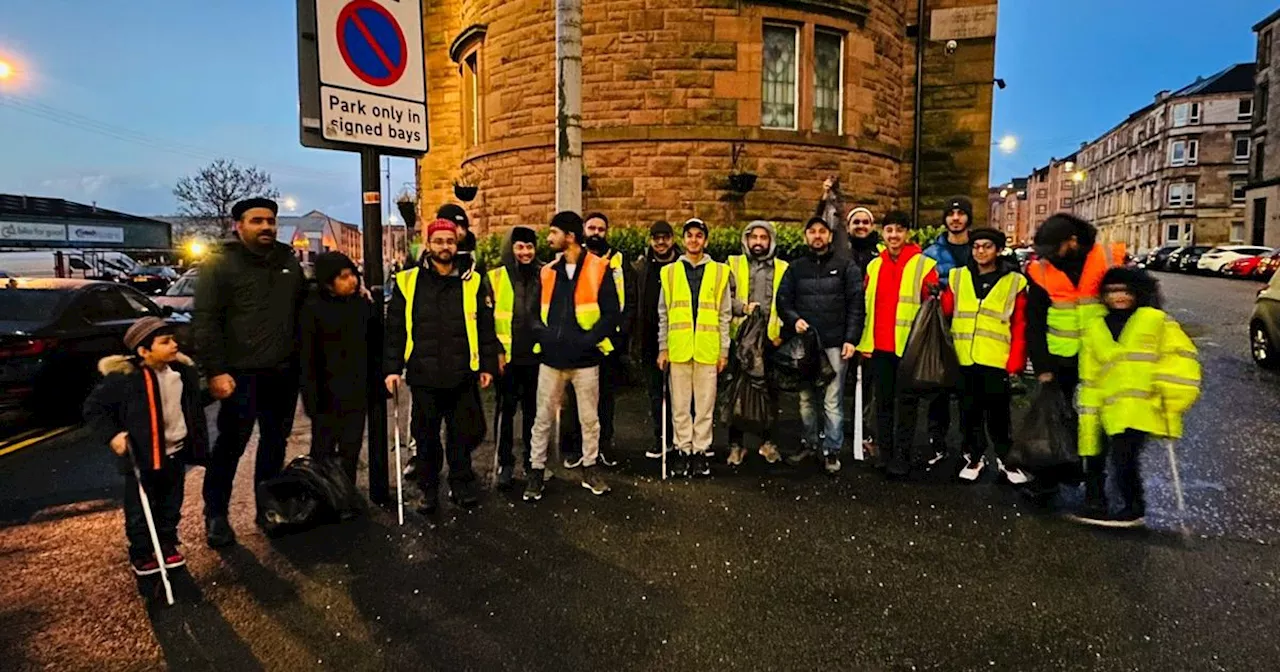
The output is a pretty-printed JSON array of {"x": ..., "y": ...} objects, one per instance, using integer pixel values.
[
  {"x": 1092, "y": 513},
  {"x": 1125, "y": 518},
  {"x": 769, "y": 452},
  {"x": 800, "y": 456},
  {"x": 592, "y": 480},
  {"x": 572, "y": 461},
  {"x": 655, "y": 453},
  {"x": 430, "y": 499},
  {"x": 411, "y": 468},
  {"x": 533, "y": 489},
  {"x": 602, "y": 459},
  {"x": 505, "y": 477},
  {"x": 145, "y": 565},
  {"x": 218, "y": 532},
  {"x": 1013, "y": 476},
  {"x": 832, "y": 464},
  {"x": 678, "y": 464},
  {"x": 939, "y": 449},
  {"x": 172, "y": 556},
  {"x": 699, "y": 465},
  {"x": 464, "y": 494},
  {"x": 972, "y": 468},
  {"x": 737, "y": 454}
]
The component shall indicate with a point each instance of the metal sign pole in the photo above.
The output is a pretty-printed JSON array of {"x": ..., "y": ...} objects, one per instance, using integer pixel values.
[{"x": 379, "y": 490}]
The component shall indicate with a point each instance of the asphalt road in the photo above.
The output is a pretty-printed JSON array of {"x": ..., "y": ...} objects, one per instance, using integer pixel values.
[{"x": 767, "y": 568}]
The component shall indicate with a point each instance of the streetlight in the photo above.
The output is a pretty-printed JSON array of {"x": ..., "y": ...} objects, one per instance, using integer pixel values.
[
  {"x": 1008, "y": 144},
  {"x": 290, "y": 204},
  {"x": 1078, "y": 176},
  {"x": 6, "y": 70}
]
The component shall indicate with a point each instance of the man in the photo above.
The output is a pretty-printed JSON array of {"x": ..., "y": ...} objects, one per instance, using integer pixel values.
[
  {"x": 1064, "y": 294},
  {"x": 987, "y": 301},
  {"x": 248, "y": 298},
  {"x": 753, "y": 283},
  {"x": 516, "y": 292},
  {"x": 648, "y": 268},
  {"x": 694, "y": 310},
  {"x": 950, "y": 251},
  {"x": 613, "y": 369},
  {"x": 440, "y": 330},
  {"x": 864, "y": 241},
  {"x": 579, "y": 313},
  {"x": 822, "y": 291},
  {"x": 466, "y": 255},
  {"x": 898, "y": 282}
]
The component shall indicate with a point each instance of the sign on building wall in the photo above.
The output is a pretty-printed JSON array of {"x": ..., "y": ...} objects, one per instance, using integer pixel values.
[
  {"x": 31, "y": 232},
  {"x": 95, "y": 234},
  {"x": 963, "y": 23}
]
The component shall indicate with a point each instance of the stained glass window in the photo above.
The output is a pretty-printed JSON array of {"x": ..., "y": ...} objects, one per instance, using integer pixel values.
[
  {"x": 827, "y": 49},
  {"x": 779, "y": 78}
]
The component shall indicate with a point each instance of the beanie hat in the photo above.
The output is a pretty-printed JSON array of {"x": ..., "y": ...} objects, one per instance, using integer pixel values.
[
  {"x": 958, "y": 203},
  {"x": 661, "y": 228},
  {"x": 524, "y": 234},
  {"x": 817, "y": 220},
  {"x": 455, "y": 214},
  {"x": 898, "y": 218},
  {"x": 695, "y": 223},
  {"x": 442, "y": 225},
  {"x": 569, "y": 222},
  {"x": 140, "y": 330},
  {"x": 989, "y": 234},
  {"x": 238, "y": 210},
  {"x": 330, "y": 264},
  {"x": 849, "y": 217}
]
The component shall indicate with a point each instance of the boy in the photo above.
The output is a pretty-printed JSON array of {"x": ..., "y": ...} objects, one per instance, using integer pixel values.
[
  {"x": 1138, "y": 376},
  {"x": 335, "y": 367},
  {"x": 148, "y": 409}
]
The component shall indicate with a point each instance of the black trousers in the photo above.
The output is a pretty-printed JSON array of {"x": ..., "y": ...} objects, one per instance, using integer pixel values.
[
  {"x": 517, "y": 391},
  {"x": 267, "y": 398},
  {"x": 165, "y": 489},
  {"x": 1123, "y": 451},
  {"x": 1046, "y": 482},
  {"x": 895, "y": 417},
  {"x": 339, "y": 436},
  {"x": 612, "y": 373},
  {"x": 658, "y": 390},
  {"x": 985, "y": 401},
  {"x": 736, "y": 435},
  {"x": 940, "y": 418},
  {"x": 458, "y": 409}
]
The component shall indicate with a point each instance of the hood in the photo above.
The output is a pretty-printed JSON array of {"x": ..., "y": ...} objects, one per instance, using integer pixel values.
[
  {"x": 958, "y": 203},
  {"x": 1059, "y": 228},
  {"x": 773, "y": 240},
  {"x": 1144, "y": 286},
  {"x": 126, "y": 364},
  {"x": 509, "y": 255},
  {"x": 706, "y": 259},
  {"x": 329, "y": 264}
]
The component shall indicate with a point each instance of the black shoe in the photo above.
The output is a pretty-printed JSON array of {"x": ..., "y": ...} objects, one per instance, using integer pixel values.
[
  {"x": 655, "y": 452},
  {"x": 533, "y": 489},
  {"x": 218, "y": 532},
  {"x": 464, "y": 494},
  {"x": 592, "y": 480},
  {"x": 678, "y": 464},
  {"x": 572, "y": 461},
  {"x": 505, "y": 477},
  {"x": 430, "y": 499},
  {"x": 699, "y": 465},
  {"x": 800, "y": 456}
]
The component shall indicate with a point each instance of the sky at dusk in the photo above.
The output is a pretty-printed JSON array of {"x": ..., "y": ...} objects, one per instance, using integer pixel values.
[{"x": 114, "y": 101}]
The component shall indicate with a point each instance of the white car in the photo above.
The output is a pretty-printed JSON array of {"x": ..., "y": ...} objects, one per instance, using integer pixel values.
[{"x": 1217, "y": 259}]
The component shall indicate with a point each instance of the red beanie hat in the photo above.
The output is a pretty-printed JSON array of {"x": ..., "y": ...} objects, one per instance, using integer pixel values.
[{"x": 442, "y": 225}]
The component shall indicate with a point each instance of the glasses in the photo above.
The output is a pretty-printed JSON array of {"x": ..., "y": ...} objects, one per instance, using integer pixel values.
[{"x": 863, "y": 222}]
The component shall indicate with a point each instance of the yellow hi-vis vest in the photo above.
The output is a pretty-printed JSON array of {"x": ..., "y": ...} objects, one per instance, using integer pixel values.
[
  {"x": 407, "y": 281},
  {"x": 983, "y": 330},
  {"x": 586, "y": 293},
  {"x": 619, "y": 280},
  {"x": 913, "y": 276},
  {"x": 1146, "y": 381},
  {"x": 685, "y": 341},
  {"x": 504, "y": 303},
  {"x": 742, "y": 280},
  {"x": 1074, "y": 304}
]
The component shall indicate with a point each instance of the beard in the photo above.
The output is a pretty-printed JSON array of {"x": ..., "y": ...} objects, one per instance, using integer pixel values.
[
  {"x": 758, "y": 250},
  {"x": 597, "y": 244},
  {"x": 442, "y": 257}
]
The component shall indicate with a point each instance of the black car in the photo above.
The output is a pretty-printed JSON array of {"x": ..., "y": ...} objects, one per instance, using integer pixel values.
[
  {"x": 1189, "y": 260},
  {"x": 150, "y": 279},
  {"x": 1158, "y": 258},
  {"x": 52, "y": 334},
  {"x": 1264, "y": 326}
]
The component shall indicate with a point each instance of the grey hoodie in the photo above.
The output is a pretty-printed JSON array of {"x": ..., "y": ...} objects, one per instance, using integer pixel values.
[
  {"x": 759, "y": 270},
  {"x": 726, "y": 303}
]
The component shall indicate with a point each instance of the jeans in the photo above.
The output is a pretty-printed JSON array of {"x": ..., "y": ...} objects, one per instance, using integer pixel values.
[
  {"x": 268, "y": 398},
  {"x": 459, "y": 410},
  {"x": 551, "y": 387},
  {"x": 827, "y": 421},
  {"x": 517, "y": 390},
  {"x": 339, "y": 436},
  {"x": 693, "y": 400},
  {"x": 611, "y": 377},
  {"x": 165, "y": 489},
  {"x": 984, "y": 410}
]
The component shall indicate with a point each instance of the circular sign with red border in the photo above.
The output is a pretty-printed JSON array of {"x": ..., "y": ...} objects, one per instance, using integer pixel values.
[{"x": 372, "y": 43}]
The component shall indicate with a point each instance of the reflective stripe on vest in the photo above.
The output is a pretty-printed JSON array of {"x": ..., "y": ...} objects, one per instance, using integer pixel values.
[
  {"x": 586, "y": 294},
  {"x": 742, "y": 281},
  {"x": 619, "y": 280},
  {"x": 1074, "y": 305},
  {"x": 982, "y": 330},
  {"x": 689, "y": 338},
  {"x": 504, "y": 303},
  {"x": 913, "y": 275},
  {"x": 407, "y": 281}
]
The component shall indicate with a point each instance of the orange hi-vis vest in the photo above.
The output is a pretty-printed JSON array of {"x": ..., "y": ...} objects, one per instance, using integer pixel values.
[
  {"x": 1072, "y": 305},
  {"x": 592, "y": 272}
]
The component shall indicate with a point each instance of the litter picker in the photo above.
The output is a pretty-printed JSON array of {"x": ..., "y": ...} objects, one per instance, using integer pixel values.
[
  {"x": 151, "y": 528},
  {"x": 1177, "y": 487},
  {"x": 395, "y": 411},
  {"x": 666, "y": 388},
  {"x": 858, "y": 453},
  {"x": 497, "y": 437}
]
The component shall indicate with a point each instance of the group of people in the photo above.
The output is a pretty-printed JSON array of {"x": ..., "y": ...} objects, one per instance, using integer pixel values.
[{"x": 555, "y": 339}]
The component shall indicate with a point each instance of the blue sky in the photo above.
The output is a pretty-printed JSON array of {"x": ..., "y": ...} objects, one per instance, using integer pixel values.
[{"x": 187, "y": 82}]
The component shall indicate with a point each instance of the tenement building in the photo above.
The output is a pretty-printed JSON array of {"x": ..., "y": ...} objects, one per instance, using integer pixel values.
[
  {"x": 674, "y": 90},
  {"x": 1176, "y": 170},
  {"x": 1050, "y": 190},
  {"x": 1262, "y": 195}
]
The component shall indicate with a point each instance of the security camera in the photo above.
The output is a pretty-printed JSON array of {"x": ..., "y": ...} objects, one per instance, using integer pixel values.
[{"x": 952, "y": 45}]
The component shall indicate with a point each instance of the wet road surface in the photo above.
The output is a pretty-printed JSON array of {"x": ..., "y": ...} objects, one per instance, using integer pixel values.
[{"x": 765, "y": 568}]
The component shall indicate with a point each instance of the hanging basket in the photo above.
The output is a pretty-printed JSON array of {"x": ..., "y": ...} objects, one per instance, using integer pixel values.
[
  {"x": 464, "y": 193},
  {"x": 408, "y": 213},
  {"x": 742, "y": 182}
]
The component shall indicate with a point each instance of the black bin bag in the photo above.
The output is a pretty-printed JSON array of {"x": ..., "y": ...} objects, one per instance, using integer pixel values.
[
  {"x": 929, "y": 362},
  {"x": 307, "y": 493},
  {"x": 800, "y": 362},
  {"x": 1047, "y": 436}
]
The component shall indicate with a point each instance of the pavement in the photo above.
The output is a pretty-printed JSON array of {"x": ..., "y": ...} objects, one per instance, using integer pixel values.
[{"x": 762, "y": 568}]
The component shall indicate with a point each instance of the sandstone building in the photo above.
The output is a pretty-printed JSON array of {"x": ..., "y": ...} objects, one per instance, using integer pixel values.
[
  {"x": 1050, "y": 190},
  {"x": 808, "y": 88},
  {"x": 1262, "y": 196}
]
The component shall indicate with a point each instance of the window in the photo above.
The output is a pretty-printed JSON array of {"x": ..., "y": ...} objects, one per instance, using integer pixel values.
[
  {"x": 1171, "y": 233},
  {"x": 110, "y": 304},
  {"x": 1242, "y": 150},
  {"x": 1259, "y": 158},
  {"x": 1184, "y": 152},
  {"x": 1237, "y": 190},
  {"x": 1182, "y": 195},
  {"x": 1259, "y": 229},
  {"x": 828, "y": 76},
  {"x": 1264, "y": 49},
  {"x": 1066, "y": 204},
  {"x": 1193, "y": 152},
  {"x": 1237, "y": 232},
  {"x": 1260, "y": 110},
  {"x": 472, "y": 90},
  {"x": 1042, "y": 193},
  {"x": 1133, "y": 166},
  {"x": 781, "y": 66},
  {"x": 473, "y": 94},
  {"x": 1186, "y": 114},
  {"x": 1245, "y": 112},
  {"x": 1042, "y": 209}
]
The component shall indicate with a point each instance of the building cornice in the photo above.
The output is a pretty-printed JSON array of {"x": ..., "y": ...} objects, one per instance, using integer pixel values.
[
  {"x": 855, "y": 12},
  {"x": 475, "y": 31}
]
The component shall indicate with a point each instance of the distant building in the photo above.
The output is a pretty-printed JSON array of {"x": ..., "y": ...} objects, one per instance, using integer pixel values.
[
  {"x": 395, "y": 243},
  {"x": 1007, "y": 210},
  {"x": 1176, "y": 170},
  {"x": 1050, "y": 190},
  {"x": 51, "y": 237},
  {"x": 316, "y": 232},
  {"x": 1262, "y": 195}
]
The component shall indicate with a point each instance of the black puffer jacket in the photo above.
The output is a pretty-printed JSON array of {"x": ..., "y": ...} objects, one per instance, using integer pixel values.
[
  {"x": 440, "y": 357},
  {"x": 122, "y": 403},
  {"x": 825, "y": 291},
  {"x": 246, "y": 309},
  {"x": 335, "y": 353}
]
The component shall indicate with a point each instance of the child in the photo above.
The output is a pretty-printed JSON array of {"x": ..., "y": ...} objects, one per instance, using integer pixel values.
[
  {"x": 335, "y": 367},
  {"x": 1138, "y": 376},
  {"x": 149, "y": 409}
]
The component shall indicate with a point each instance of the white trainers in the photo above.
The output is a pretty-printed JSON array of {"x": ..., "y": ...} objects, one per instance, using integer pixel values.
[
  {"x": 972, "y": 470},
  {"x": 1014, "y": 476}
]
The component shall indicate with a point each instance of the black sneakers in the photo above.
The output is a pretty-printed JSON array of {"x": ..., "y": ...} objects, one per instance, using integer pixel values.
[
  {"x": 218, "y": 532},
  {"x": 593, "y": 481},
  {"x": 678, "y": 464},
  {"x": 145, "y": 565},
  {"x": 506, "y": 475},
  {"x": 699, "y": 465},
  {"x": 173, "y": 558},
  {"x": 533, "y": 489},
  {"x": 464, "y": 494},
  {"x": 430, "y": 499}
]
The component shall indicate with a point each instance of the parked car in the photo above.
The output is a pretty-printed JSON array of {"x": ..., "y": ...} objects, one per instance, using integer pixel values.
[
  {"x": 150, "y": 279},
  {"x": 1243, "y": 268},
  {"x": 1189, "y": 259},
  {"x": 52, "y": 334},
  {"x": 1264, "y": 325},
  {"x": 1172, "y": 261},
  {"x": 181, "y": 296},
  {"x": 1158, "y": 259},
  {"x": 1267, "y": 267},
  {"x": 1216, "y": 259}
]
